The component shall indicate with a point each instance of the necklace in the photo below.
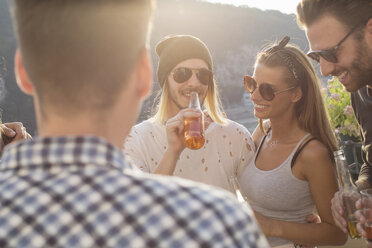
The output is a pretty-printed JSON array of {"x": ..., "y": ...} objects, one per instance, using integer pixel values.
[{"x": 271, "y": 143}]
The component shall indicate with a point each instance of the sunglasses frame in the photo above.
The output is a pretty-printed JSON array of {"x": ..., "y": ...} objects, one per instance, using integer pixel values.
[
  {"x": 315, "y": 55},
  {"x": 195, "y": 71},
  {"x": 260, "y": 89}
]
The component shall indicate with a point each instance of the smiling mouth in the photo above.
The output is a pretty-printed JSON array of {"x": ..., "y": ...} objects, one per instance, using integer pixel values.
[
  {"x": 342, "y": 76},
  {"x": 259, "y": 106},
  {"x": 187, "y": 93}
]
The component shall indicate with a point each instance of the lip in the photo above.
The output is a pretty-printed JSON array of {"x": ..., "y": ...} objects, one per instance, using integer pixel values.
[
  {"x": 260, "y": 107},
  {"x": 343, "y": 77}
]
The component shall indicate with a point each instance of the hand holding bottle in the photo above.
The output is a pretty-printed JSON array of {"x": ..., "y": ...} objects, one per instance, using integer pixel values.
[
  {"x": 348, "y": 195},
  {"x": 175, "y": 128}
]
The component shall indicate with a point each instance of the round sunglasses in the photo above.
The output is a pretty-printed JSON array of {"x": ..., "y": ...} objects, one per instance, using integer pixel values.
[
  {"x": 266, "y": 90},
  {"x": 182, "y": 74}
]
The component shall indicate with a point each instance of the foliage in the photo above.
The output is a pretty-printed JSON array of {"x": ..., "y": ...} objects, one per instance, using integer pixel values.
[{"x": 340, "y": 110}]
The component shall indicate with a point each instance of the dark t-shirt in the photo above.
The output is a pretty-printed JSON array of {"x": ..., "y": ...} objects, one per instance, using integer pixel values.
[{"x": 361, "y": 101}]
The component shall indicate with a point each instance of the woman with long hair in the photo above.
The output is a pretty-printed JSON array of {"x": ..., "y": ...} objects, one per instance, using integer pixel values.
[{"x": 292, "y": 172}]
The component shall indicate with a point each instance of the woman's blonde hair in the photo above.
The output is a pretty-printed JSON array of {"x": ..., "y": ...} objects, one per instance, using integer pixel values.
[
  {"x": 310, "y": 109},
  {"x": 212, "y": 104}
]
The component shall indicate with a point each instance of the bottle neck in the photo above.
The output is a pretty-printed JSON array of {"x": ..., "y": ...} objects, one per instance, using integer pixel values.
[
  {"x": 194, "y": 101},
  {"x": 344, "y": 178}
]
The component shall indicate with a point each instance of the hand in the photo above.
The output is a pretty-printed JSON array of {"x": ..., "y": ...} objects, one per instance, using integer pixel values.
[
  {"x": 313, "y": 218},
  {"x": 14, "y": 131},
  {"x": 265, "y": 223},
  {"x": 338, "y": 211},
  {"x": 369, "y": 244},
  {"x": 207, "y": 119},
  {"x": 175, "y": 127}
]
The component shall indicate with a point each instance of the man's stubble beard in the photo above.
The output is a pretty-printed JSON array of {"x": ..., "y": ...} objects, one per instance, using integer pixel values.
[
  {"x": 173, "y": 98},
  {"x": 361, "y": 67}
]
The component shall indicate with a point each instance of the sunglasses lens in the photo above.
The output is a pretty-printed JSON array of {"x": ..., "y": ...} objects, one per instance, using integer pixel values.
[
  {"x": 329, "y": 56},
  {"x": 267, "y": 92},
  {"x": 182, "y": 74},
  {"x": 205, "y": 76},
  {"x": 314, "y": 56},
  {"x": 249, "y": 84}
]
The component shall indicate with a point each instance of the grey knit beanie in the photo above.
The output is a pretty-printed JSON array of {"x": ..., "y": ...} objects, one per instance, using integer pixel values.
[{"x": 173, "y": 49}]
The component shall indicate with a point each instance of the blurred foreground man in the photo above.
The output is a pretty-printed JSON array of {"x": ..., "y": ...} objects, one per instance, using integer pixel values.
[{"x": 86, "y": 64}]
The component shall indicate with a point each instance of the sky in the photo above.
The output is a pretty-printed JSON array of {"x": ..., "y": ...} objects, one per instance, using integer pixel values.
[{"x": 287, "y": 6}]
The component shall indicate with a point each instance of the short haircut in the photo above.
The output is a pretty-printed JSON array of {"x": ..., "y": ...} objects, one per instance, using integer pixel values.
[
  {"x": 80, "y": 53},
  {"x": 348, "y": 12}
]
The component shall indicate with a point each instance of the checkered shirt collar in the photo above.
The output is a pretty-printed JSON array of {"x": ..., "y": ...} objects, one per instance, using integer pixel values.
[{"x": 85, "y": 151}]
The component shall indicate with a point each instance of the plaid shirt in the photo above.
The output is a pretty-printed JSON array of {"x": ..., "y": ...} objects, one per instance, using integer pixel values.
[{"x": 80, "y": 192}]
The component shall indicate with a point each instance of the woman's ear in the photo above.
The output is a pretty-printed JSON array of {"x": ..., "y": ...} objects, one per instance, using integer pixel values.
[
  {"x": 297, "y": 94},
  {"x": 22, "y": 78}
]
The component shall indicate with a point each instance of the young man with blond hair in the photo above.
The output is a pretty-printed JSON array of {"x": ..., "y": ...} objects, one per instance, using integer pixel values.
[{"x": 157, "y": 145}]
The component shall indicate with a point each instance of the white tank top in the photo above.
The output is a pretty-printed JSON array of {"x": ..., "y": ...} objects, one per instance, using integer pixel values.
[{"x": 277, "y": 193}]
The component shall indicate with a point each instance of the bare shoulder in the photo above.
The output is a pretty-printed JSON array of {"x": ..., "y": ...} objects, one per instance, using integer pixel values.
[
  {"x": 315, "y": 151},
  {"x": 315, "y": 157}
]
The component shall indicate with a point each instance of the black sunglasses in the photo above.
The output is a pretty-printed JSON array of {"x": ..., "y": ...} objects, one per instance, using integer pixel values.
[
  {"x": 182, "y": 74},
  {"x": 266, "y": 90},
  {"x": 329, "y": 54}
]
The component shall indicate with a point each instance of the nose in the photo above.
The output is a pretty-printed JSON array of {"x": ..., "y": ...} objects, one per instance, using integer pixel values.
[
  {"x": 255, "y": 95},
  {"x": 194, "y": 81},
  {"x": 326, "y": 67}
]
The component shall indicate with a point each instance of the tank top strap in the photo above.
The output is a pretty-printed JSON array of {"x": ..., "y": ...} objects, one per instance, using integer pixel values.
[
  {"x": 297, "y": 146},
  {"x": 260, "y": 145},
  {"x": 290, "y": 155}
]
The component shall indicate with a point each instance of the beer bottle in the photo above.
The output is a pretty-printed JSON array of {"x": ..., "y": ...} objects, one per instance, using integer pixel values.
[
  {"x": 350, "y": 193},
  {"x": 194, "y": 127}
]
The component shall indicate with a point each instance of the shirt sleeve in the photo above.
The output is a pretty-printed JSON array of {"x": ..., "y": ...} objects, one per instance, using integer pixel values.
[{"x": 133, "y": 151}]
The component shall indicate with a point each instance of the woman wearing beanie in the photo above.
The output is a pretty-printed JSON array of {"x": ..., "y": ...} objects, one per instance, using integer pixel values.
[{"x": 157, "y": 144}]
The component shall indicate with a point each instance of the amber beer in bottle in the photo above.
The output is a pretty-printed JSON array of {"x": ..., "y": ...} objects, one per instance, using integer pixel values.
[
  {"x": 350, "y": 193},
  {"x": 367, "y": 212},
  {"x": 194, "y": 127}
]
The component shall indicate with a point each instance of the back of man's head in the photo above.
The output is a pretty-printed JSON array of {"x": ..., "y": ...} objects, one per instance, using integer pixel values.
[
  {"x": 348, "y": 12},
  {"x": 80, "y": 53}
]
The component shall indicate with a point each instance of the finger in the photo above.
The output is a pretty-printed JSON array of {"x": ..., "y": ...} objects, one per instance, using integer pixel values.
[
  {"x": 339, "y": 221},
  {"x": 175, "y": 125},
  {"x": 17, "y": 127},
  {"x": 8, "y": 131},
  {"x": 361, "y": 229},
  {"x": 312, "y": 218},
  {"x": 358, "y": 204},
  {"x": 190, "y": 110},
  {"x": 369, "y": 243}
]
